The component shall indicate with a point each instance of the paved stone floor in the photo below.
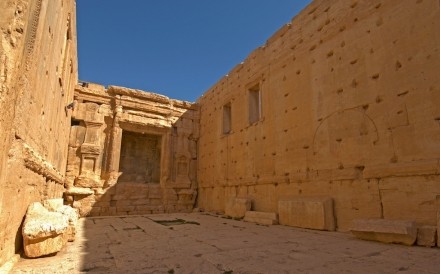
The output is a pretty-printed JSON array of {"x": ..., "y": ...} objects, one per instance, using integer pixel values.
[{"x": 212, "y": 244}]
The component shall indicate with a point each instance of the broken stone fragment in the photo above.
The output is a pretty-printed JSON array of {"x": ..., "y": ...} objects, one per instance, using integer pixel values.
[
  {"x": 43, "y": 231},
  {"x": 386, "y": 231}
]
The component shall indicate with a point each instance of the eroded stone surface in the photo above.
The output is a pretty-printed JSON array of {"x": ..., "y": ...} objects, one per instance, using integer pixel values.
[{"x": 386, "y": 231}]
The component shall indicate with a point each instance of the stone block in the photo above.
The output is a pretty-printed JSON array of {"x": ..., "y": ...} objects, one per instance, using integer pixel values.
[
  {"x": 307, "y": 212},
  {"x": 43, "y": 231},
  {"x": 426, "y": 235},
  {"x": 262, "y": 218},
  {"x": 237, "y": 207},
  {"x": 386, "y": 231}
]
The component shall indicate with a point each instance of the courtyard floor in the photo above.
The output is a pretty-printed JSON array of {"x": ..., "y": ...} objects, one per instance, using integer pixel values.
[{"x": 208, "y": 243}]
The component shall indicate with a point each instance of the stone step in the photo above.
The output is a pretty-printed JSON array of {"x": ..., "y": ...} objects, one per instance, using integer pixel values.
[
  {"x": 262, "y": 218},
  {"x": 386, "y": 231}
]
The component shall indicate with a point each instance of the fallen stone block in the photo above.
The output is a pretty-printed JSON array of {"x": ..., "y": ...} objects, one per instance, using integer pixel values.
[
  {"x": 43, "y": 231},
  {"x": 426, "y": 235},
  {"x": 386, "y": 231},
  {"x": 307, "y": 212},
  {"x": 262, "y": 218},
  {"x": 237, "y": 207}
]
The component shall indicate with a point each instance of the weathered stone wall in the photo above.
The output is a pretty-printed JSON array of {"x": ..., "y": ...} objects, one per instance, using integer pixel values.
[
  {"x": 38, "y": 71},
  {"x": 131, "y": 152},
  {"x": 349, "y": 108}
]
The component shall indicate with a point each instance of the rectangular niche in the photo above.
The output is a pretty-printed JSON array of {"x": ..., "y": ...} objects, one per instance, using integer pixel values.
[
  {"x": 254, "y": 104},
  {"x": 227, "y": 119},
  {"x": 140, "y": 158}
]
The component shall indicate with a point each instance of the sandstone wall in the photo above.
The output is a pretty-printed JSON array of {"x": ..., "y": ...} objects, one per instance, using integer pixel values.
[
  {"x": 38, "y": 70},
  {"x": 350, "y": 96},
  {"x": 131, "y": 152}
]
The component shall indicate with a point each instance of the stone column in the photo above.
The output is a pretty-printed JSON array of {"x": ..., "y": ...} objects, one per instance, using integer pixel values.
[{"x": 114, "y": 153}]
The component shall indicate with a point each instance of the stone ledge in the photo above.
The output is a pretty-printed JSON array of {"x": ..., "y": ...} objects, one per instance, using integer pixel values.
[
  {"x": 79, "y": 191},
  {"x": 386, "y": 231},
  {"x": 262, "y": 218}
]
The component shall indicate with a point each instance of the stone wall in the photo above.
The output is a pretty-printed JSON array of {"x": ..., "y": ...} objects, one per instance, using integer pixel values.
[
  {"x": 131, "y": 152},
  {"x": 38, "y": 71},
  {"x": 341, "y": 102}
]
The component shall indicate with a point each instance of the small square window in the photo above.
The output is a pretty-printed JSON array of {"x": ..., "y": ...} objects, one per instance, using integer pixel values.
[
  {"x": 227, "y": 119},
  {"x": 254, "y": 104}
]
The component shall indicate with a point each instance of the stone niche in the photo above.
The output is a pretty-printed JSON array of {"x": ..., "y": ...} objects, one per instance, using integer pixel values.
[
  {"x": 131, "y": 152},
  {"x": 140, "y": 158}
]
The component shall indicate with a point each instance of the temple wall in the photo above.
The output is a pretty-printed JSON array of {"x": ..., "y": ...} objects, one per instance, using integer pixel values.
[
  {"x": 131, "y": 152},
  {"x": 38, "y": 71},
  {"x": 341, "y": 102}
]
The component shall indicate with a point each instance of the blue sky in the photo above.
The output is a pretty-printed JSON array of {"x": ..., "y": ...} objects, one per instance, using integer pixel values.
[{"x": 179, "y": 48}]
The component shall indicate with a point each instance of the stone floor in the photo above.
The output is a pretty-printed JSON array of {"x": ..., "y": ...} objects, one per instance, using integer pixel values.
[{"x": 212, "y": 244}]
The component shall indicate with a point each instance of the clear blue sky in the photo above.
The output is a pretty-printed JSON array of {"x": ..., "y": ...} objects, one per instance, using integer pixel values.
[{"x": 179, "y": 48}]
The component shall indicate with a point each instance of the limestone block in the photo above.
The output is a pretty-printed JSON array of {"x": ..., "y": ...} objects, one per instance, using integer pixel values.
[
  {"x": 426, "y": 235},
  {"x": 386, "y": 231},
  {"x": 307, "y": 212},
  {"x": 53, "y": 204},
  {"x": 237, "y": 207},
  {"x": 72, "y": 216},
  {"x": 43, "y": 231},
  {"x": 263, "y": 218}
]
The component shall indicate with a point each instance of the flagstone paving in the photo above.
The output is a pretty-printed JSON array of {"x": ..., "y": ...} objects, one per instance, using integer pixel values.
[{"x": 208, "y": 243}]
